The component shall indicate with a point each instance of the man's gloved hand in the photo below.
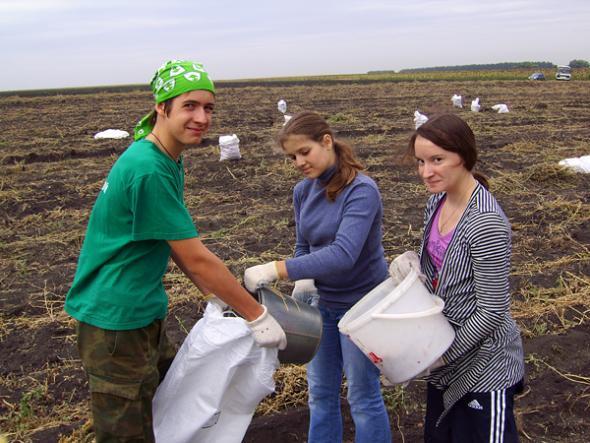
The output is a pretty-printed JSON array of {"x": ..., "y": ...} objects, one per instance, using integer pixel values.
[
  {"x": 261, "y": 275},
  {"x": 267, "y": 332},
  {"x": 402, "y": 265}
]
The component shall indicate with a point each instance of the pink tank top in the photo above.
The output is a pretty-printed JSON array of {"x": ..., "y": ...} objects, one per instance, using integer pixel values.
[{"x": 438, "y": 244}]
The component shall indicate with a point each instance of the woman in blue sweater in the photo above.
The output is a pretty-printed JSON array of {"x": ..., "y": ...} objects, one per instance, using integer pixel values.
[{"x": 338, "y": 250}]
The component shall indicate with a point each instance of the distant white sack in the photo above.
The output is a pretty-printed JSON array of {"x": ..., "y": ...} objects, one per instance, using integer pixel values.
[
  {"x": 287, "y": 118},
  {"x": 282, "y": 106},
  {"x": 419, "y": 119},
  {"x": 501, "y": 108},
  {"x": 229, "y": 146},
  {"x": 577, "y": 164},
  {"x": 475, "y": 106},
  {"x": 111, "y": 133},
  {"x": 457, "y": 101}
]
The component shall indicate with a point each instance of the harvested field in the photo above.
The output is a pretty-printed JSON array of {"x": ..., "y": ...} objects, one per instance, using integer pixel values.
[{"x": 52, "y": 169}]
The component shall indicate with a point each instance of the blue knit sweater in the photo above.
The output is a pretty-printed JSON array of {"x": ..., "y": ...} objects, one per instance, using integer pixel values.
[{"x": 338, "y": 243}]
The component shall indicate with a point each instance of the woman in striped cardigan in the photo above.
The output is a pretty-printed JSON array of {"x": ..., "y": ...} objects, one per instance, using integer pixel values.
[{"x": 465, "y": 256}]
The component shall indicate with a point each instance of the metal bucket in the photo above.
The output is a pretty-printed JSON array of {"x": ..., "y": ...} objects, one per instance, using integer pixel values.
[{"x": 301, "y": 322}]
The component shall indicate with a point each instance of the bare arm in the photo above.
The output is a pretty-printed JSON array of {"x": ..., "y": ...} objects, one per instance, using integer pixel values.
[
  {"x": 195, "y": 279},
  {"x": 209, "y": 274}
]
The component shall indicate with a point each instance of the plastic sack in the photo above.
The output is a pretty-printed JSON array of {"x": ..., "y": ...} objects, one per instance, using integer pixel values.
[
  {"x": 577, "y": 164},
  {"x": 419, "y": 119},
  {"x": 287, "y": 118},
  {"x": 457, "y": 101},
  {"x": 214, "y": 384},
  {"x": 501, "y": 108},
  {"x": 475, "y": 106},
  {"x": 229, "y": 146},
  {"x": 282, "y": 106},
  {"x": 111, "y": 133}
]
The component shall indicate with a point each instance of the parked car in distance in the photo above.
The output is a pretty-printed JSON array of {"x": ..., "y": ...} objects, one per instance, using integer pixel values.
[
  {"x": 564, "y": 72},
  {"x": 537, "y": 76}
]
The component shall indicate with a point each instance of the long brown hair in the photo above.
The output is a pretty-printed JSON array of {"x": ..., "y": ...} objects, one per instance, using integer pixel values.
[
  {"x": 315, "y": 127},
  {"x": 451, "y": 133}
]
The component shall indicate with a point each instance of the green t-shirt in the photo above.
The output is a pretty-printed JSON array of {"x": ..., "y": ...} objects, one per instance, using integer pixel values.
[{"x": 118, "y": 282}]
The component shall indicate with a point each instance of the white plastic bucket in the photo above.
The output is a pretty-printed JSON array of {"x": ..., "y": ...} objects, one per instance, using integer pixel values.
[{"x": 400, "y": 328}]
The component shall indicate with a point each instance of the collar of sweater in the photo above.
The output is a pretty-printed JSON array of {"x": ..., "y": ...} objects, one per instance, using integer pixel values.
[{"x": 325, "y": 176}]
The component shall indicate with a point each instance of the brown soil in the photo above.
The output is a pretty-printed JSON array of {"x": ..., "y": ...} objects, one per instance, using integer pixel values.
[{"x": 52, "y": 169}]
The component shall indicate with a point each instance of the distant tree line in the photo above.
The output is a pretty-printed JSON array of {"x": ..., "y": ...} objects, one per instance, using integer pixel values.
[
  {"x": 579, "y": 64},
  {"x": 488, "y": 67}
]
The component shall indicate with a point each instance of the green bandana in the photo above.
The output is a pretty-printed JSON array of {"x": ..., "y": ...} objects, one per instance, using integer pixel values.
[{"x": 173, "y": 78}]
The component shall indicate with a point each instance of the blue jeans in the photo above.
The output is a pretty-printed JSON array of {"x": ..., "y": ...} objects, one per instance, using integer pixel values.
[{"x": 324, "y": 377}]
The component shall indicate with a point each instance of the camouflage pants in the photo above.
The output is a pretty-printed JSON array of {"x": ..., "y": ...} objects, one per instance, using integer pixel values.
[{"x": 124, "y": 369}]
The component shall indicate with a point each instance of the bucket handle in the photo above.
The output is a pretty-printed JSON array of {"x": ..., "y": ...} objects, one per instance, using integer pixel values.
[{"x": 410, "y": 315}]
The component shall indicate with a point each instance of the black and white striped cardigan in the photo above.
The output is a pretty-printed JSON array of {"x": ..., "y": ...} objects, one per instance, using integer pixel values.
[{"x": 487, "y": 353}]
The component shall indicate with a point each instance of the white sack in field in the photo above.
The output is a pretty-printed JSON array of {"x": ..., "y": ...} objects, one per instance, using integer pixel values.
[
  {"x": 214, "y": 383},
  {"x": 419, "y": 119},
  {"x": 475, "y": 106},
  {"x": 501, "y": 108},
  {"x": 577, "y": 164},
  {"x": 229, "y": 146},
  {"x": 287, "y": 118},
  {"x": 112, "y": 133},
  {"x": 282, "y": 106},
  {"x": 457, "y": 101}
]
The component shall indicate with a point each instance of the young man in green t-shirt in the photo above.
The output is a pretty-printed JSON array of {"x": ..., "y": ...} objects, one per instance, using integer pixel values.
[{"x": 138, "y": 222}]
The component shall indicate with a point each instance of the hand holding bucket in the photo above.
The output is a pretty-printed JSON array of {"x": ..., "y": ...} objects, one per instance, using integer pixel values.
[
  {"x": 401, "y": 266},
  {"x": 301, "y": 322}
]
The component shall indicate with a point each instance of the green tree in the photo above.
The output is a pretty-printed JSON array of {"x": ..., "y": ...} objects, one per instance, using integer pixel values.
[{"x": 579, "y": 64}]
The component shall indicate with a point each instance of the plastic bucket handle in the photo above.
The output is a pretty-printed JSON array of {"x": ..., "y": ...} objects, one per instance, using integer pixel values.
[{"x": 410, "y": 315}]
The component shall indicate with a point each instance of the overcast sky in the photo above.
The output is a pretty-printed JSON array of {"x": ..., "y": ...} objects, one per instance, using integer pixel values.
[{"x": 67, "y": 43}]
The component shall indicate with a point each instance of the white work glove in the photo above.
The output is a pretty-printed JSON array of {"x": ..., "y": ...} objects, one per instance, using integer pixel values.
[
  {"x": 401, "y": 266},
  {"x": 257, "y": 276},
  {"x": 305, "y": 291},
  {"x": 267, "y": 332}
]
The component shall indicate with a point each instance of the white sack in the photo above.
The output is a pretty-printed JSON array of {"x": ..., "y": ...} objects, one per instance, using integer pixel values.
[
  {"x": 457, "y": 101},
  {"x": 214, "y": 383},
  {"x": 475, "y": 106},
  {"x": 419, "y": 119},
  {"x": 282, "y": 106},
  {"x": 229, "y": 146},
  {"x": 501, "y": 108},
  {"x": 287, "y": 118},
  {"x": 577, "y": 164},
  {"x": 111, "y": 133}
]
